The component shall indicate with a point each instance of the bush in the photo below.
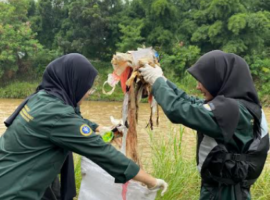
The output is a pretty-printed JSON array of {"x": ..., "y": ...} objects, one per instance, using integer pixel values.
[
  {"x": 18, "y": 90},
  {"x": 182, "y": 58},
  {"x": 260, "y": 70}
]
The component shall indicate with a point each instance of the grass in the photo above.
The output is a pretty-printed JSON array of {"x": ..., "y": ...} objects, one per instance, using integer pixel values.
[
  {"x": 170, "y": 164},
  {"x": 18, "y": 90},
  {"x": 260, "y": 190},
  {"x": 78, "y": 176}
]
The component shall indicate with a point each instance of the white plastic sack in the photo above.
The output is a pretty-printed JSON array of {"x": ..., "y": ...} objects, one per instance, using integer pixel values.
[{"x": 97, "y": 184}]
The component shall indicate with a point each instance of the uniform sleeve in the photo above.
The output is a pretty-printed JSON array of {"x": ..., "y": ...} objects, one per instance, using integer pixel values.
[
  {"x": 72, "y": 133},
  {"x": 183, "y": 94},
  {"x": 180, "y": 109},
  {"x": 92, "y": 125}
]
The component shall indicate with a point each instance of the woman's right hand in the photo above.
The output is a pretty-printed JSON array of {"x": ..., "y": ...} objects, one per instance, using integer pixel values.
[
  {"x": 160, "y": 184},
  {"x": 151, "y": 182}
]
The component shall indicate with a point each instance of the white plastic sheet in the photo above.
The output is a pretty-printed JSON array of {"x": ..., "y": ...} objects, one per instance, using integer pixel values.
[{"x": 97, "y": 184}]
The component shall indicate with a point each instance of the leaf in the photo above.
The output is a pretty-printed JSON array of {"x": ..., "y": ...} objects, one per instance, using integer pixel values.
[{"x": 237, "y": 23}]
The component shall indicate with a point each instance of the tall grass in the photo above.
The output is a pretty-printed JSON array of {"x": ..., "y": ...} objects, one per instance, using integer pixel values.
[
  {"x": 78, "y": 175},
  {"x": 260, "y": 190},
  {"x": 170, "y": 164}
]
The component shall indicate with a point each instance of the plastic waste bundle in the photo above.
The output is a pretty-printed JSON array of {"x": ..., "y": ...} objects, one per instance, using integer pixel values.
[
  {"x": 126, "y": 67},
  {"x": 96, "y": 183}
]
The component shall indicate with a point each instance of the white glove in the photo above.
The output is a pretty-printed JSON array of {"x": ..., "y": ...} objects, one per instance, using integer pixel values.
[
  {"x": 161, "y": 184},
  {"x": 151, "y": 74}
]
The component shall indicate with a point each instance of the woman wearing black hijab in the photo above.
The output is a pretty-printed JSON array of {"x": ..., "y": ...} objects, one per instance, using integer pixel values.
[
  {"x": 232, "y": 132},
  {"x": 47, "y": 125}
]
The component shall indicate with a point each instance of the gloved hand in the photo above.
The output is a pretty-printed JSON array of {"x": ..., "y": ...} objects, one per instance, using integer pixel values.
[
  {"x": 161, "y": 184},
  {"x": 151, "y": 74}
]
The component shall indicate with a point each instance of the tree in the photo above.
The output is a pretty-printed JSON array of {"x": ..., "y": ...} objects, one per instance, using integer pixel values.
[
  {"x": 47, "y": 17},
  {"x": 91, "y": 28},
  {"x": 229, "y": 25},
  {"x": 16, "y": 37}
]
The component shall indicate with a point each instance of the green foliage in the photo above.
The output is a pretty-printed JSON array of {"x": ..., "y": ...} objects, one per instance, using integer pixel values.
[
  {"x": 77, "y": 170},
  {"x": 16, "y": 37},
  {"x": 215, "y": 29},
  {"x": 131, "y": 38},
  {"x": 176, "y": 64},
  {"x": 18, "y": 90},
  {"x": 200, "y": 34},
  {"x": 180, "y": 30},
  {"x": 90, "y": 27},
  {"x": 260, "y": 69},
  {"x": 41, "y": 59},
  {"x": 237, "y": 23},
  {"x": 260, "y": 189},
  {"x": 169, "y": 163},
  {"x": 235, "y": 45},
  {"x": 46, "y": 17},
  {"x": 229, "y": 25}
]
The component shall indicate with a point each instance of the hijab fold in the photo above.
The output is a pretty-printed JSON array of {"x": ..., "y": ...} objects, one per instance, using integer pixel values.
[{"x": 228, "y": 79}]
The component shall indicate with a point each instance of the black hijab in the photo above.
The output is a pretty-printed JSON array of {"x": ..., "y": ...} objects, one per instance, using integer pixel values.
[
  {"x": 228, "y": 79},
  {"x": 67, "y": 78}
]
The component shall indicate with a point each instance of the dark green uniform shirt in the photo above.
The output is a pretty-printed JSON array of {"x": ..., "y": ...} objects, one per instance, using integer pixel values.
[
  {"x": 34, "y": 147},
  {"x": 191, "y": 112}
]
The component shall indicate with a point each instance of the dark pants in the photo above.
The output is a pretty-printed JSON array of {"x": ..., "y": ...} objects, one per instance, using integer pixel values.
[
  {"x": 67, "y": 190},
  {"x": 223, "y": 193},
  {"x": 53, "y": 191}
]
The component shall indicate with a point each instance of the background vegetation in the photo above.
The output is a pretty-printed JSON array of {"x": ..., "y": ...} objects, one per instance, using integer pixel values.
[{"x": 33, "y": 33}]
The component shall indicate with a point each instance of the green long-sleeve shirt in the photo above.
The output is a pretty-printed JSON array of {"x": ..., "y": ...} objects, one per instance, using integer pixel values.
[
  {"x": 191, "y": 112},
  {"x": 34, "y": 147}
]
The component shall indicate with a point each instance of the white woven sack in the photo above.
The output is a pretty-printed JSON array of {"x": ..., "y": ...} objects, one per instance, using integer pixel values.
[{"x": 97, "y": 184}]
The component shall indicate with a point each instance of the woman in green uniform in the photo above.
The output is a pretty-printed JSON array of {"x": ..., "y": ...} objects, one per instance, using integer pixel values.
[
  {"x": 232, "y": 132},
  {"x": 47, "y": 125}
]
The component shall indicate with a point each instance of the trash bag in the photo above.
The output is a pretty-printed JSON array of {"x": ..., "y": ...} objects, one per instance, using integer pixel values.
[{"x": 97, "y": 184}]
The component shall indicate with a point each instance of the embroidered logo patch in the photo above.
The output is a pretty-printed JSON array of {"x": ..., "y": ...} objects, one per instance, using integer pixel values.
[{"x": 85, "y": 130}]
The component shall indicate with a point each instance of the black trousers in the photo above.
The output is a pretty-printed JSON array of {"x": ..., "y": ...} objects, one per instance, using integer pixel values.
[
  {"x": 67, "y": 189},
  {"x": 53, "y": 191}
]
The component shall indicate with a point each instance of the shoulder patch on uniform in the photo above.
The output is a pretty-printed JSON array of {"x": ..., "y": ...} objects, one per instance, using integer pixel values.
[
  {"x": 25, "y": 114},
  {"x": 85, "y": 130},
  {"x": 207, "y": 107}
]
